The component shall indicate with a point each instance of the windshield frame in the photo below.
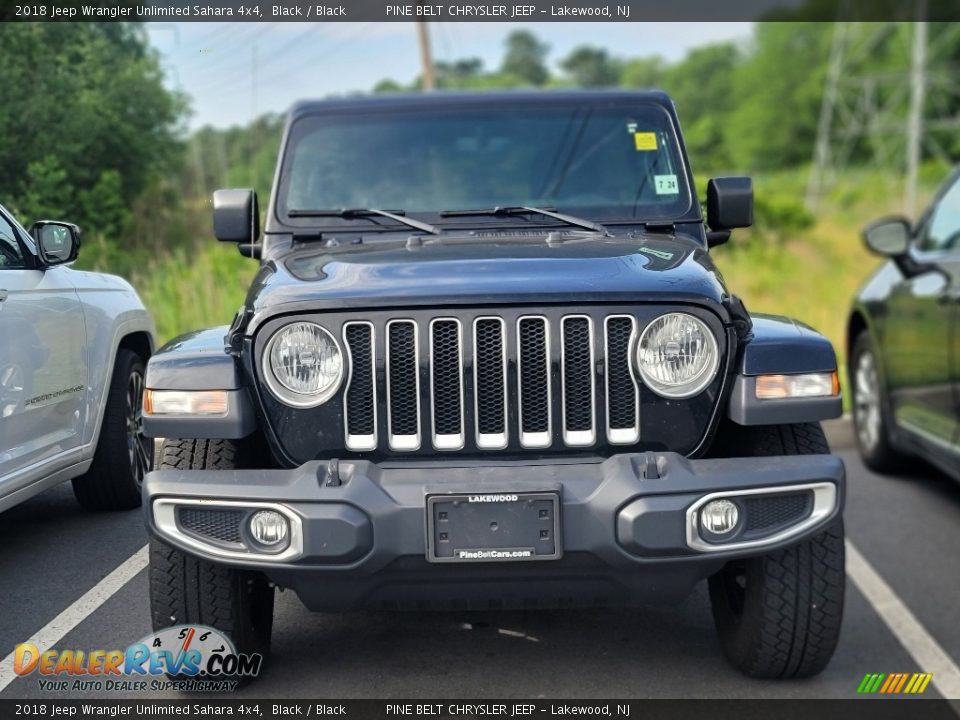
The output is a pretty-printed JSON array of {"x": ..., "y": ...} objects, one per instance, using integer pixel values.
[{"x": 280, "y": 222}]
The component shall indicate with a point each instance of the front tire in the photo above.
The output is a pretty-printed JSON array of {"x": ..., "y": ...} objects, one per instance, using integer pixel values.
[
  {"x": 185, "y": 590},
  {"x": 779, "y": 615},
  {"x": 123, "y": 455}
]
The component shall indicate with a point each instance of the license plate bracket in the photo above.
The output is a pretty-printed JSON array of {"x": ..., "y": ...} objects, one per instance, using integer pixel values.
[{"x": 493, "y": 527}]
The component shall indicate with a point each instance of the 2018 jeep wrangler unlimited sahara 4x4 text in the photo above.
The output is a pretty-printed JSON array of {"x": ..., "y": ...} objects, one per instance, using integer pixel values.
[{"x": 488, "y": 362}]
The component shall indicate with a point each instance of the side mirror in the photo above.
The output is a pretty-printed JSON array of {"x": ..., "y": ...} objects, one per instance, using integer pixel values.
[
  {"x": 58, "y": 242},
  {"x": 236, "y": 216},
  {"x": 729, "y": 203},
  {"x": 889, "y": 237}
]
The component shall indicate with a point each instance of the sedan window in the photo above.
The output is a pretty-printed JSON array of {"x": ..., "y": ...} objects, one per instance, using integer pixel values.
[{"x": 943, "y": 230}]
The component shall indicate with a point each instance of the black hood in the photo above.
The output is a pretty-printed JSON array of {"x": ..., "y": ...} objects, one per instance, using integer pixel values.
[{"x": 473, "y": 270}]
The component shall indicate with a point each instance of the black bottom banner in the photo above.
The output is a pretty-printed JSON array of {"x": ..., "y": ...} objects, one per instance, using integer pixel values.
[{"x": 874, "y": 709}]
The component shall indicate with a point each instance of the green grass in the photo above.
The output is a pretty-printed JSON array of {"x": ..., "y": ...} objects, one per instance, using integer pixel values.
[{"x": 188, "y": 290}]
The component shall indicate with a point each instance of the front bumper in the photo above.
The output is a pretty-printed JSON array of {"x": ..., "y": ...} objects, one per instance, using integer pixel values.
[{"x": 628, "y": 525}]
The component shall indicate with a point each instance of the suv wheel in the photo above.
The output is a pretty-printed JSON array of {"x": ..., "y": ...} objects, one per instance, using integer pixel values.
[
  {"x": 870, "y": 419},
  {"x": 123, "y": 454},
  {"x": 778, "y": 615},
  {"x": 14, "y": 380},
  {"x": 187, "y": 590}
]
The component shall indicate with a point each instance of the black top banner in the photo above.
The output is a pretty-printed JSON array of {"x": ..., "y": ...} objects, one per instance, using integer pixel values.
[
  {"x": 478, "y": 10},
  {"x": 199, "y": 706}
]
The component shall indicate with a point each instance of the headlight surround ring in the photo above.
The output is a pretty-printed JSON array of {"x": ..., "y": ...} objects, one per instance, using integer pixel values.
[
  {"x": 281, "y": 390},
  {"x": 698, "y": 380}
]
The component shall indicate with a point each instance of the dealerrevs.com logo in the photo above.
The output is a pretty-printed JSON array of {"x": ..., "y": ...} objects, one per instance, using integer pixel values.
[{"x": 198, "y": 658}]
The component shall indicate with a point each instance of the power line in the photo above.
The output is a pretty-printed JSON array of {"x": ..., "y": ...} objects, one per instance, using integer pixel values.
[{"x": 894, "y": 111}]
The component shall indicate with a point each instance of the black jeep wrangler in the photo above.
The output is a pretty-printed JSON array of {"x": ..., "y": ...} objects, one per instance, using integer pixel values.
[{"x": 487, "y": 362}]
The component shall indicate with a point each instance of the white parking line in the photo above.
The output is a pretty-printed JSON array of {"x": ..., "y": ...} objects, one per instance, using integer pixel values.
[
  {"x": 54, "y": 631},
  {"x": 921, "y": 645}
]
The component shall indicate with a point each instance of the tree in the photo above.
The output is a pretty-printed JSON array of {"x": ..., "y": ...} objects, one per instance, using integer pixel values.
[
  {"x": 778, "y": 91},
  {"x": 525, "y": 58},
  {"x": 459, "y": 73},
  {"x": 645, "y": 72},
  {"x": 86, "y": 123},
  {"x": 591, "y": 67},
  {"x": 701, "y": 85}
]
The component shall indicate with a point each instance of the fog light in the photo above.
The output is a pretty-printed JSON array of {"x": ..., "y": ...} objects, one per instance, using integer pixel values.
[
  {"x": 719, "y": 517},
  {"x": 269, "y": 528}
]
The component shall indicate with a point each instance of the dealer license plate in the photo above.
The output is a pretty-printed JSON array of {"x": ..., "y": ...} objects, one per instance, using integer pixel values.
[{"x": 493, "y": 527}]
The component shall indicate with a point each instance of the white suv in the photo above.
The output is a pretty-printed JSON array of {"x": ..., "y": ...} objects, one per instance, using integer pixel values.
[{"x": 73, "y": 346}]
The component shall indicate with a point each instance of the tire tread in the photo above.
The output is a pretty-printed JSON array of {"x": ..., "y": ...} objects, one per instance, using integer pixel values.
[
  {"x": 189, "y": 590},
  {"x": 795, "y": 595}
]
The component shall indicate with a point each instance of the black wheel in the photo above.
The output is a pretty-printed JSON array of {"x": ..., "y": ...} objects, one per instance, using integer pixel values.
[
  {"x": 123, "y": 454},
  {"x": 779, "y": 615},
  {"x": 15, "y": 380},
  {"x": 870, "y": 418},
  {"x": 186, "y": 590}
]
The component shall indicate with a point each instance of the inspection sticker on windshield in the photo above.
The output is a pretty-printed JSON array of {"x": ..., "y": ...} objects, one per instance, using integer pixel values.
[
  {"x": 645, "y": 141},
  {"x": 666, "y": 184}
]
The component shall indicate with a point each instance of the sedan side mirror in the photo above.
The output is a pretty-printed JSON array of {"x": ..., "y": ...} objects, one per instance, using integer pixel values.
[
  {"x": 236, "y": 216},
  {"x": 58, "y": 242},
  {"x": 889, "y": 237},
  {"x": 729, "y": 203}
]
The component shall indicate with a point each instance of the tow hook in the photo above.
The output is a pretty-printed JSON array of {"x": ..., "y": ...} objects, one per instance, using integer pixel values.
[{"x": 330, "y": 475}]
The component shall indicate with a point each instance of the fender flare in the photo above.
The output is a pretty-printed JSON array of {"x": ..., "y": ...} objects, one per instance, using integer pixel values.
[{"x": 782, "y": 346}]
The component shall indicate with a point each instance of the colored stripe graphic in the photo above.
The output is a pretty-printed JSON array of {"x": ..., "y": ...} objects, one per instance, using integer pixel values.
[
  {"x": 870, "y": 683},
  {"x": 891, "y": 681},
  {"x": 894, "y": 683}
]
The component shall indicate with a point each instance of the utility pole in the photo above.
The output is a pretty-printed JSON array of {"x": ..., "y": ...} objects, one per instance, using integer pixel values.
[
  {"x": 426, "y": 60},
  {"x": 253, "y": 109},
  {"x": 896, "y": 115},
  {"x": 918, "y": 84},
  {"x": 821, "y": 153}
]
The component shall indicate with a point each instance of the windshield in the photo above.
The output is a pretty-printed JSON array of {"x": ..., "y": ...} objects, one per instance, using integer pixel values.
[{"x": 611, "y": 161}]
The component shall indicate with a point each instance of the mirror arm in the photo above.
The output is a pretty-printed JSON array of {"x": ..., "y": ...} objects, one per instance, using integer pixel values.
[
  {"x": 250, "y": 250},
  {"x": 716, "y": 238}
]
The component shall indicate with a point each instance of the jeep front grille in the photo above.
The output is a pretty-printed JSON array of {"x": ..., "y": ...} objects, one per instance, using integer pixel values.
[{"x": 488, "y": 382}]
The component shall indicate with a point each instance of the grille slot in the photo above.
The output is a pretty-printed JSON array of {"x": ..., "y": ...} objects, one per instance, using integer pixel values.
[
  {"x": 534, "y": 397},
  {"x": 767, "y": 514},
  {"x": 490, "y": 382},
  {"x": 403, "y": 385},
  {"x": 579, "y": 383},
  {"x": 360, "y": 405},
  {"x": 218, "y": 525},
  {"x": 622, "y": 392},
  {"x": 446, "y": 378}
]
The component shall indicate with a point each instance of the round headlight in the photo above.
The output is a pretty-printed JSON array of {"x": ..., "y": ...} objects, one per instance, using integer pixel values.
[
  {"x": 677, "y": 355},
  {"x": 303, "y": 364}
]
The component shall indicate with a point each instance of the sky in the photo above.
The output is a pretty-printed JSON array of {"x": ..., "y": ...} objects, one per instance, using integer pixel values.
[{"x": 213, "y": 62}]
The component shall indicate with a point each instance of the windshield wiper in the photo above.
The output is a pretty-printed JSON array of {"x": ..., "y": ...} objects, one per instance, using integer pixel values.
[
  {"x": 523, "y": 210},
  {"x": 351, "y": 213}
]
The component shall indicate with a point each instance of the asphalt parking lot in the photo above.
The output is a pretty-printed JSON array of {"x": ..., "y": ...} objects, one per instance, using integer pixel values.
[{"x": 900, "y": 616}]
